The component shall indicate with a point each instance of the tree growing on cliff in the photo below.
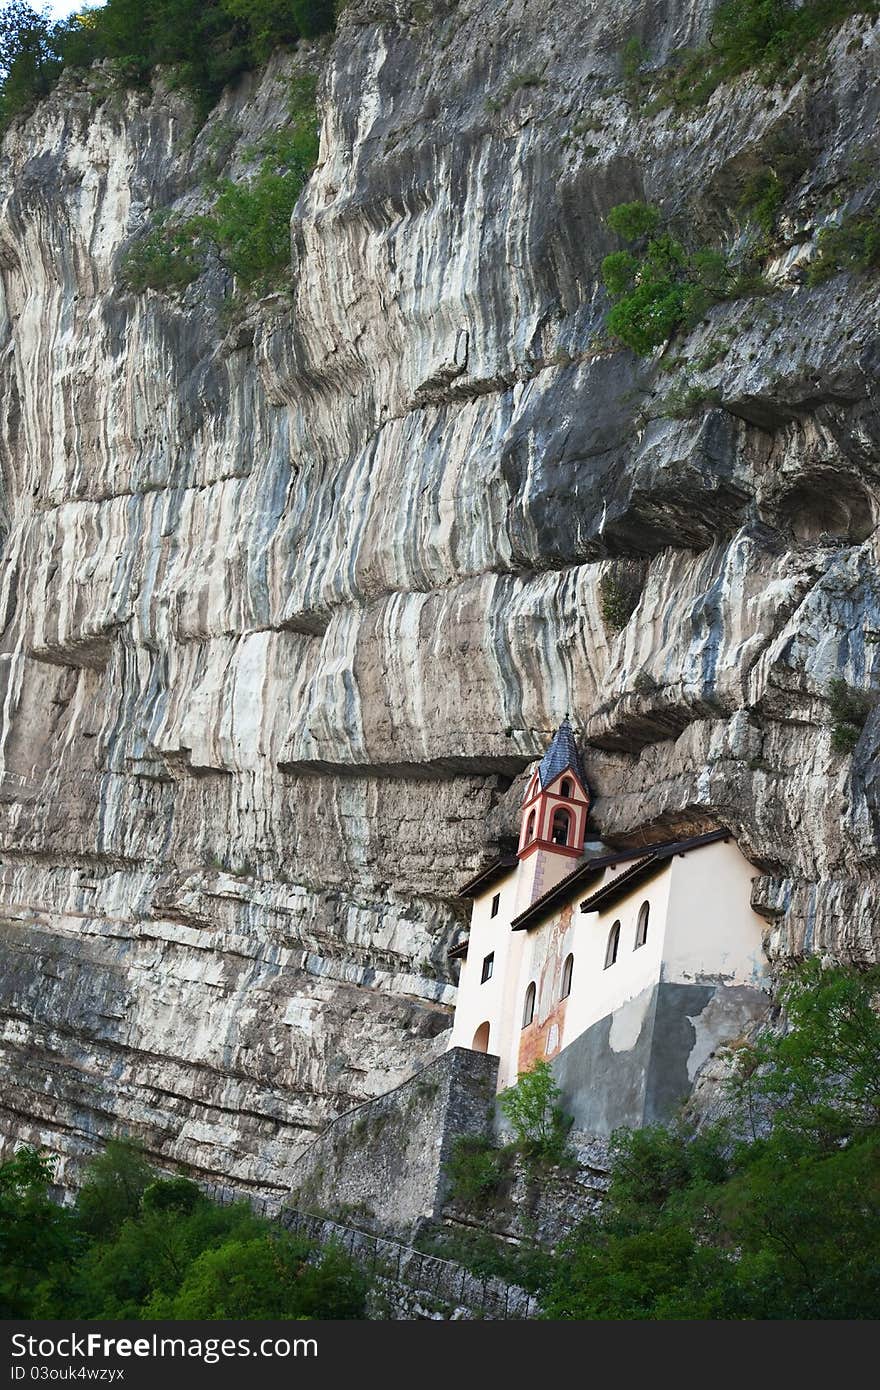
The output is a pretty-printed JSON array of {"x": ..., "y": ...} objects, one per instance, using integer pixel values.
[
  {"x": 29, "y": 58},
  {"x": 532, "y": 1106},
  {"x": 203, "y": 45},
  {"x": 784, "y": 1225},
  {"x": 656, "y": 285},
  {"x": 114, "y": 1184}
]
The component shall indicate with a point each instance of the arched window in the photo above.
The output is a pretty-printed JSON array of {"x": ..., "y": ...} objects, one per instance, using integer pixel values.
[
  {"x": 529, "y": 1006},
  {"x": 530, "y": 825},
  {"x": 613, "y": 943},
  {"x": 642, "y": 926},
  {"x": 561, "y": 822},
  {"x": 565, "y": 789},
  {"x": 566, "y": 977},
  {"x": 481, "y": 1039}
]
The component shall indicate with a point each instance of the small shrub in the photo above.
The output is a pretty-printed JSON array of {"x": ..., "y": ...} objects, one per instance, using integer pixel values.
[
  {"x": 852, "y": 245},
  {"x": 683, "y": 402},
  {"x": 538, "y": 1122},
  {"x": 631, "y": 221},
  {"x": 849, "y": 710},
  {"x": 649, "y": 1165},
  {"x": 474, "y": 1169},
  {"x": 619, "y": 590},
  {"x": 167, "y": 257},
  {"x": 778, "y": 39},
  {"x": 517, "y": 83},
  {"x": 632, "y": 61},
  {"x": 762, "y": 198},
  {"x": 249, "y": 224},
  {"x": 489, "y": 1257}
]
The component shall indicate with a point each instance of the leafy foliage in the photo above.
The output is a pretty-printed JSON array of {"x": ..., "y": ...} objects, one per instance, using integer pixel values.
[
  {"x": 206, "y": 44},
  {"x": 620, "y": 589},
  {"x": 267, "y": 1276},
  {"x": 633, "y": 59},
  {"x": 526, "y": 1264},
  {"x": 771, "y": 37},
  {"x": 821, "y": 1078},
  {"x": 785, "y": 1226},
  {"x": 113, "y": 1189},
  {"x": 37, "y": 1237},
  {"x": 169, "y": 256},
  {"x": 657, "y": 286},
  {"x": 852, "y": 245},
  {"x": 474, "y": 1168},
  {"x": 250, "y": 223},
  {"x": 689, "y": 398},
  {"x": 29, "y": 59},
  {"x": 248, "y": 226},
  {"x": 532, "y": 1106},
  {"x": 140, "y": 1246},
  {"x": 849, "y": 710}
]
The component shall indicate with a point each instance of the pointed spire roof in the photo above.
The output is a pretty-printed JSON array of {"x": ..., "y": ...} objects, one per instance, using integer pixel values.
[{"x": 560, "y": 756}]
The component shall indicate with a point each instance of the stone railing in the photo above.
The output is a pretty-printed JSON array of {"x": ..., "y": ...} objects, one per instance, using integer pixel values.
[{"x": 444, "y": 1280}]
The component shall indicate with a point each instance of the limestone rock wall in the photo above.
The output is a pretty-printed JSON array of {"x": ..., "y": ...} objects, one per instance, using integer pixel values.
[{"x": 288, "y": 602}]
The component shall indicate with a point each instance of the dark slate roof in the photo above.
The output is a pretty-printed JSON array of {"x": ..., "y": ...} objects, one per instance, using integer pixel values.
[
  {"x": 459, "y": 950},
  {"x": 560, "y": 756},
  {"x": 649, "y": 858},
  {"x": 646, "y": 867},
  {"x": 498, "y": 868}
]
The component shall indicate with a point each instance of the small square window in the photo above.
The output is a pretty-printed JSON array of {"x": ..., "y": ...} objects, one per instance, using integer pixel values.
[
  {"x": 488, "y": 963},
  {"x": 496, "y": 903}
]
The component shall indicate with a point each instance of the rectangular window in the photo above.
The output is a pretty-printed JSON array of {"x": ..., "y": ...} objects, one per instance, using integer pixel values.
[
  {"x": 496, "y": 903},
  {"x": 487, "y": 968}
]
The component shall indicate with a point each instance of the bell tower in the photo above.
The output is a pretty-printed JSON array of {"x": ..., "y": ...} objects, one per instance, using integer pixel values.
[{"x": 554, "y": 818}]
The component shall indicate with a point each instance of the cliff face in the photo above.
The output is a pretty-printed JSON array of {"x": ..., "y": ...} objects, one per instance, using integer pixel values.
[{"x": 287, "y": 603}]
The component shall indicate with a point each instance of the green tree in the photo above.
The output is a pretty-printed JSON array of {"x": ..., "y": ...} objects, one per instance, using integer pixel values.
[
  {"x": 655, "y": 1272},
  {"x": 203, "y": 45},
  {"x": 172, "y": 1194},
  {"x": 474, "y": 1168},
  {"x": 700, "y": 1224},
  {"x": 535, "y": 1115},
  {"x": 657, "y": 286},
  {"x": 114, "y": 1184},
  {"x": 819, "y": 1078},
  {"x": 37, "y": 1236},
  {"x": 151, "y": 1255},
  {"x": 806, "y": 1229},
  {"x": 29, "y": 58},
  {"x": 267, "y": 1276}
]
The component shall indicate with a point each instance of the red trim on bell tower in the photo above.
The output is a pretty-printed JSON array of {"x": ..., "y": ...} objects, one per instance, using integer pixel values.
[{"x": 554, "y": 816}]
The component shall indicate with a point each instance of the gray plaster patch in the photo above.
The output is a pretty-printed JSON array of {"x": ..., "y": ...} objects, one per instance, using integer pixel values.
[
  {"x": 628, "y": 1021},
  {"x": 722, "y": 1020}
]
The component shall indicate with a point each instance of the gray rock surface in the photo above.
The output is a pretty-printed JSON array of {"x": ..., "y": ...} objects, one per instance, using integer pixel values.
[{"x": 288, "y": 603}]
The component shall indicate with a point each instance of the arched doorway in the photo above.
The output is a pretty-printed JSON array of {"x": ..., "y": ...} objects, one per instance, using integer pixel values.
[{"x": 481, "y": 1039}]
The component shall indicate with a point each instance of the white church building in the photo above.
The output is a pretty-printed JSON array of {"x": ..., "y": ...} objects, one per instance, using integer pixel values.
[{"x": 625, "y": 970}]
